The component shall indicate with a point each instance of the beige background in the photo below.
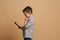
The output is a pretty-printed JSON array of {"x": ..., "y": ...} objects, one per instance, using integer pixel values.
[{"x": 46, "y": 14}]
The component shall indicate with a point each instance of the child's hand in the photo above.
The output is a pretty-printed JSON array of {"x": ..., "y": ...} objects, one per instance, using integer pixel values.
[
  {"x": 24, "y": 28},
  {"x": 25, "y": 21},
  {"x": 26, "y": 18}
]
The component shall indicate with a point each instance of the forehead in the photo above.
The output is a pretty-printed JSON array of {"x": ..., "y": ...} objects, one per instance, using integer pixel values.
[{"x": 27, "y": 12}]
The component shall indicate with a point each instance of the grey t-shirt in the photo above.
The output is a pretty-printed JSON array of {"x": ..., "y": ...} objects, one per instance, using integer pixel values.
[{"x": 30, "y": 31}]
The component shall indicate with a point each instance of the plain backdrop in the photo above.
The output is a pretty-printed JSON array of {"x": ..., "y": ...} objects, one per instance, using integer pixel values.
[{"x": 46, "y": 15}]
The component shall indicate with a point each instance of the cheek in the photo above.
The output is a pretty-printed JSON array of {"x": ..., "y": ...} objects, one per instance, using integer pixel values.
[{"x": 28, "y": 15}]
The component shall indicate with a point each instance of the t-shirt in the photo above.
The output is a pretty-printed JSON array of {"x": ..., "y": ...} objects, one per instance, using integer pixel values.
[{"x": 30, "y": 31}]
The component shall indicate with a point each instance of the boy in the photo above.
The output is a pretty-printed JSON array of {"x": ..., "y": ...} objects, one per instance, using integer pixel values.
[
  {"x": 28, "y": 28},
  {"x": 29, "y": 23}
]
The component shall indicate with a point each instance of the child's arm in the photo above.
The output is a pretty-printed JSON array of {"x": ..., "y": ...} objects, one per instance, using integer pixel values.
[{"x": 25, "y": 21}]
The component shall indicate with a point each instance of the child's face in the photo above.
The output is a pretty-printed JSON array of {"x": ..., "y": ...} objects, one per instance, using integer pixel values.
[{"x": 27, "y": 14}]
